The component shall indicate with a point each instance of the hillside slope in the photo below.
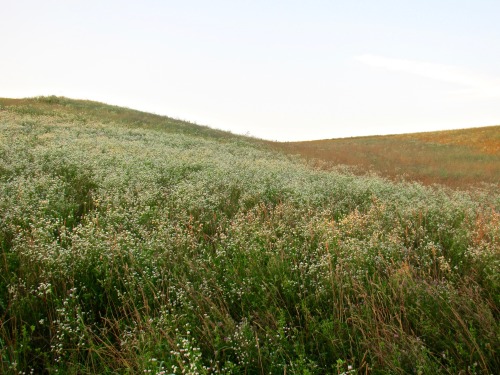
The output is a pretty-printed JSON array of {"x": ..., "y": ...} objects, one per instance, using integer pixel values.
[
  {"x": 83, "y": 111},
  {"x": 133, "y": 243},
  {"x": 457, "y": 158}
]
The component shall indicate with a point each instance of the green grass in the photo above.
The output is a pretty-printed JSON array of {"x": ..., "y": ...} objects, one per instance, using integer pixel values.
[{"x": 134, "y": 243}]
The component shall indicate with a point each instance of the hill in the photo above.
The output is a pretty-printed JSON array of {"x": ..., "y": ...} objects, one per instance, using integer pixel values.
[
  {"x": 456, "y": 158},
  {"x": 84, "y": 111},
  {"x": 135, "y": 243}
]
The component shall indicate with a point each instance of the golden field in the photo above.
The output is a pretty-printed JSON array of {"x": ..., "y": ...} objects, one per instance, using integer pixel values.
[{"x": 456, "y": 158}]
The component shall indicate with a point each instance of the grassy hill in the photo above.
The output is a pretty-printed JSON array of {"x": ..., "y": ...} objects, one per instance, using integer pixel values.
[
  {"x": 456, "y": 158},
  {"x": 135, "y": 243}
]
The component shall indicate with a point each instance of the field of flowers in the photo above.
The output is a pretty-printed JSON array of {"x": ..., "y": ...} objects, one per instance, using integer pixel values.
[{"x": 133, "y": 243}]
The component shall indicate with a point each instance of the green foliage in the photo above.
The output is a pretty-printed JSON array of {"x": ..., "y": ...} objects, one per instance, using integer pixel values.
[{"x": 132, "y": 243}]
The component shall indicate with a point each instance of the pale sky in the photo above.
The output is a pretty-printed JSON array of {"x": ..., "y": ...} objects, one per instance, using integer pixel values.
[{"x": 279, "y": 70}]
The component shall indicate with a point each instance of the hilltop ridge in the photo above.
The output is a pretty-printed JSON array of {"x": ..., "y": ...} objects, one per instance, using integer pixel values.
[{"x": 88, "y": 110}]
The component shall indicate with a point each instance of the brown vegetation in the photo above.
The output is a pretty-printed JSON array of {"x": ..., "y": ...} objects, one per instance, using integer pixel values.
[{"x": 457, "y": 158}]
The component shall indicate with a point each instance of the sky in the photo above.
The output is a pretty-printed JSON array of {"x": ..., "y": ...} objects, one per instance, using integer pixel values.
[{"x": 278, "y": 70}]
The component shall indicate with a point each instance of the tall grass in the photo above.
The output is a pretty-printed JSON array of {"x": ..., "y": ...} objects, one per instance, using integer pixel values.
[{"x": 129, "y": 249}]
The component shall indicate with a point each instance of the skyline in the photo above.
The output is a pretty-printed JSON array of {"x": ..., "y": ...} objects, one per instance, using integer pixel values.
[{"x": 274, "y": 70}]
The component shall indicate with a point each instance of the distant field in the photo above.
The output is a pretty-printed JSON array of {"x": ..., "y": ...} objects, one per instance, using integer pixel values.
[{"x": 457, "y": 158}]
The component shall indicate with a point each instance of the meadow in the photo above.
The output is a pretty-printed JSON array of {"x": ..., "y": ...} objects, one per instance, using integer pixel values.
[
  {"x": 455, "y": 158},
  {"x": 134, "y": 243}
]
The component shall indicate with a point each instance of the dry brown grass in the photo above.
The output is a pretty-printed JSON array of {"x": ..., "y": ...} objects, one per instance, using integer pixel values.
[
  {"x": 457, "y": 158},
  {"x": 484, "y": 139}
]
